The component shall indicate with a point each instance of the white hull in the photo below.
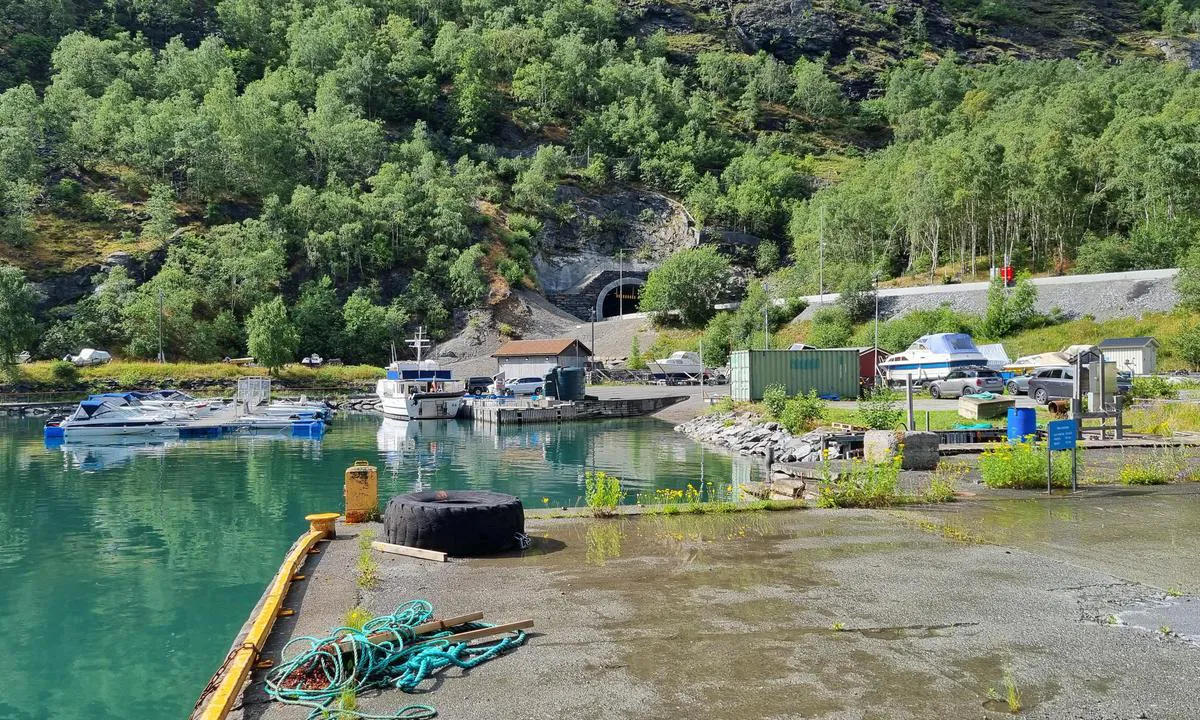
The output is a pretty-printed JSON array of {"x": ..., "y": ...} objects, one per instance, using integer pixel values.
[
  {"x": 405, "y": 407},
  {"x": 691, "y": 369}
]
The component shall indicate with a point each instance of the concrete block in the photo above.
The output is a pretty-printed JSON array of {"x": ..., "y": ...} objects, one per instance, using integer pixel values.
[
  {"x": 920, "y": 448},
  {"x": 979, "y": 409}
]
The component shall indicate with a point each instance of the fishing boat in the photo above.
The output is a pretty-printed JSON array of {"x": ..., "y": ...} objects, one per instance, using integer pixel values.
[
  {"x": 109, "y": 417},
  {"x": 681, "y": 365},
  {"x": 932, "y": 357},
  {"x": 419, "y": 389}
]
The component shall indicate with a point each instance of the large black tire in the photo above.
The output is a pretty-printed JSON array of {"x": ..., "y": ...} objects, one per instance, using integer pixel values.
[
  {"x": 935, "y": 392},
  {"x": 1040, "y": 396},
  {"x": 461, "y": 523},
  {"x": 1012, "y": 388}
]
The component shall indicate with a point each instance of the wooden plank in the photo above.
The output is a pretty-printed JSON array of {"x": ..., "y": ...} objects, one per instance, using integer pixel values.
[
  {"x": 470, "y": 635},
  {"x": 422, "y": 629},
  {"x": 421, "y": 553}
]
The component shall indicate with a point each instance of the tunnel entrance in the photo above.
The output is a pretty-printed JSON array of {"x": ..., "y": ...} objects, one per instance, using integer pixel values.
[{"x": 618, "y": 299}]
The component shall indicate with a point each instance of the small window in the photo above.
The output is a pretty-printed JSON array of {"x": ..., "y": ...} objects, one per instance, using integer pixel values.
[
  {"x": 954, "y": 375},
  {"x": 1053, "y": 374}
]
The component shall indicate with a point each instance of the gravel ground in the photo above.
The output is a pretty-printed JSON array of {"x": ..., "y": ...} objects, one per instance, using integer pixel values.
[
  {"x": 1103, "y": 299},
  {"x": 813, "y": 614}
]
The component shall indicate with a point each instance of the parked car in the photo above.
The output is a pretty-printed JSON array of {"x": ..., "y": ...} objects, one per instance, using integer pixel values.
[
  {"x": 525, "y": 386},
  {"x": 1052, "y": 384},
  {"x": 478, "y": 385},
  {"x": 967, "y": 381},
  {"x": 1019, "y": 384}
]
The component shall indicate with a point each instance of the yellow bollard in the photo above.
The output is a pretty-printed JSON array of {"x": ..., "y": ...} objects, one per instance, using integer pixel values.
[
  {"x": 362, "y": 491},
  {"x": 322, "y": 522}
]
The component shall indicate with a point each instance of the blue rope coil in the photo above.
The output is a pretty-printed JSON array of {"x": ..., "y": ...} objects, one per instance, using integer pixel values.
[{"x": 325, "y": 672}]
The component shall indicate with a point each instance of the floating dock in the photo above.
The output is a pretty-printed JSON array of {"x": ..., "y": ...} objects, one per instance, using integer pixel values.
[{"x": 527, "y": 412}]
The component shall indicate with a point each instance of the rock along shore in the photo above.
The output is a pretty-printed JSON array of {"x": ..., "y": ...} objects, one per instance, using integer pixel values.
[{"x": 746, "y": 433}]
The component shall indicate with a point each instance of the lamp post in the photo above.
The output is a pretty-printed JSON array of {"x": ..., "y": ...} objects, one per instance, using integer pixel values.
[
  {"x": 592, "y": 347},
  {"x": 621, "y": 281},
  {"x": 767, "y": 318}
]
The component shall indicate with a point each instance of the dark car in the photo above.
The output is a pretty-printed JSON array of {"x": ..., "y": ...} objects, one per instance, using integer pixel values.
[
  {"x": 1052, "y": 384},
  {"x": 967, "y": 381},
  {"x": 478, "y": 385}
]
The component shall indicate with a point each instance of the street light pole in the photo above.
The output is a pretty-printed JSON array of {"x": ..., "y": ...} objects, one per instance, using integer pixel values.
[
  {"x": 767, "y": 318},
  {"x": 161, "y": 358},
  {"x": 621, "y": 282},
  {"x": 592, "y": 347}
]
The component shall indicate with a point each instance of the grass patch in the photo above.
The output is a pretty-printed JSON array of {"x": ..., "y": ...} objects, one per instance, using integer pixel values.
[
  {"x": 357, "y": 618},
  {"x": 132, "y": 373},
  {"x": 862, "y": 484},
  {"x": 1164, "y": 419}
]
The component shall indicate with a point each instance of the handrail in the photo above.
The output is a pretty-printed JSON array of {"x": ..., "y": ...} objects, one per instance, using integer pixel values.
[{"x": 222, "y": 690}]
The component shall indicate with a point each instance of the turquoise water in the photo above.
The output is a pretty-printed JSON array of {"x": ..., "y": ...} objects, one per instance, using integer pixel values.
[{"x": 126, "y": 570}]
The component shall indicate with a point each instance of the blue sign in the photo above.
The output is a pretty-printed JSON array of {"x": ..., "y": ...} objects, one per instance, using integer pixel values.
[{"x": 1061, "y": 434}]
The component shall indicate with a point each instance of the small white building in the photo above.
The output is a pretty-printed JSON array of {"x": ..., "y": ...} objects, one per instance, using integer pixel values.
[
  {"x": 1138, "y": 355},
  {"x": 535, "y": 358}
]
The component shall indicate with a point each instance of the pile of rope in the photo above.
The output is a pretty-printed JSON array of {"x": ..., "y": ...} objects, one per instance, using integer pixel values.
[{"x": 385, "y": 652}]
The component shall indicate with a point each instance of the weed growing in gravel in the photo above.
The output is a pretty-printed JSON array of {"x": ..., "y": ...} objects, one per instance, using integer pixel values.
[
  {"x": 1023, "y": 465},
  {"x": 1164, "y": 629},
  {"x": 861, "y": 484},
  {"x": 1157, "y": 468},
  {"x": 368, "y": 567},
  {"x": 357, "y": 617},
  {"x": 943, "y": 481},
  {"x": 839, "y": 627},
  {"x": 1174, "y": 592},
  {"x": 1011, "y": 694}
]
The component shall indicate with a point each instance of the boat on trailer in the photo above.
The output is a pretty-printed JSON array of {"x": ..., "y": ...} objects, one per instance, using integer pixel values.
[
  {"x": 932, "y": 357},
  {"x": 680, "y": 366}
]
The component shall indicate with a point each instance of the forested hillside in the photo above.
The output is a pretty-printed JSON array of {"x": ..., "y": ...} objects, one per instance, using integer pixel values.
[{"x": 388, "y": 163}]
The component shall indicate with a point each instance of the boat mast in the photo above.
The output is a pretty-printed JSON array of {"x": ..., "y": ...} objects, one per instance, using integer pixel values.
[{"x": 418, "y": 343}]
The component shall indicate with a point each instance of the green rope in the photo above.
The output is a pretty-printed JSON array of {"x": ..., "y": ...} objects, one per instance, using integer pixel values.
[{"x": 322, "y": 673}]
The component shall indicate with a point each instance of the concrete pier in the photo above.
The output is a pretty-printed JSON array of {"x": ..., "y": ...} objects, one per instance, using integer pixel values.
[{"x": 509, "y": 412}]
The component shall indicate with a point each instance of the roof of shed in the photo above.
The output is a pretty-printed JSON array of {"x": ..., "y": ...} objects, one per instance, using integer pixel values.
[
  {"x": 552, "y": 346},
  {"x": 1129, "y": 342}
]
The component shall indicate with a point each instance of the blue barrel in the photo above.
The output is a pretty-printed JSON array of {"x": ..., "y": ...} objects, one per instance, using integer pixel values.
[{"x": 1022, "y": 422}]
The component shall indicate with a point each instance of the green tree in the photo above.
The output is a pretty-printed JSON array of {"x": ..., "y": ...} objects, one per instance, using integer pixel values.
[
  {"x": 318, "y": 318},
  {"x": 856, "y": 293},
  {"x": 688, "y": 282},
  {"x": 160, "y": 208},
  {"x": 271, "y": 337},
  {"x": 831, "y": 327},
  {"x": 1009, "y": 310},
  {"x": 468, "y": 281},
  {"x": 18, "y": 329},
  {"x": 816, "y": 94},
  {"x": 1187, "y": 282}
]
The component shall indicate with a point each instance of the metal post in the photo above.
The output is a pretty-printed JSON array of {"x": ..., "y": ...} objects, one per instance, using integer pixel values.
[
  {"x": 877, "y": 318},
  {"x": 1119, "y": 402},
  {"x": 161, "y": 358},
  {"x": 592, "y": 347},
  {"x": 767, "y": 319},
  {"x": 926, "y": 421},
  {"x": 621, "y": 282},
  {"x": 1049, "y": 467},
  {"x": 1074, "y": 468},
  {"x": 701, "y": 370},
  {"x": 908, "y": 390},
  {"x": 821, "y": 256}
]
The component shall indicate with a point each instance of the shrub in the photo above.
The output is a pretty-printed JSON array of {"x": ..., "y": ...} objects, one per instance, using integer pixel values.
[
  {"x": 802, "y": 412},
  {"x": 603, "y": 492},
  {"x": 635, "y": 361},
  {"x": 1152, "y": 386},
  {"x": 880, "y": 409},
  {"x": 775, "y": 398},
  {"x": 65, "y": 374},
  {"x": 831, "y": 327},
  {"x": 943, "y": 481},
  {"x": 1023, "y": 465}
]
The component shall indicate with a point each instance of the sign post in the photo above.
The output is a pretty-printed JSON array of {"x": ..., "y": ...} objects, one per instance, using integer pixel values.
[{"x": 1061, "y": 435}]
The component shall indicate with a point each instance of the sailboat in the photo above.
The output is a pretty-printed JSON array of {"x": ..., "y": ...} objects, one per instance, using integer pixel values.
[{"x": 420, "y": 389}]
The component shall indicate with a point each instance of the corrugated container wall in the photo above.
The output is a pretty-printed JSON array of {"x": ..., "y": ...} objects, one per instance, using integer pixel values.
[{"x": 829, "y": 372}]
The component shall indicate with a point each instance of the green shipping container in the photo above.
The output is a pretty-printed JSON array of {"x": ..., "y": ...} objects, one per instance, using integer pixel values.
[{"x": 829, "y": 372}]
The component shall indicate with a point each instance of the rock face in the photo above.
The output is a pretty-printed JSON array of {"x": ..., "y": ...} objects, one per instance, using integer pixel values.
[
  {"x": 1180, "y": 50},
  {"x": 920, "y": 448},
  {"x": 747, "y": 434}
]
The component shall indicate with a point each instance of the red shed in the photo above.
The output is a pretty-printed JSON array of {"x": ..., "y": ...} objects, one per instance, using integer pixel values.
[{"x": 868, "y": 364}]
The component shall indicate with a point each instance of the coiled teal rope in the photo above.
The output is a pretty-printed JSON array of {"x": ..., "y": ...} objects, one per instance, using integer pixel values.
[{"x": 322, "y": 673}]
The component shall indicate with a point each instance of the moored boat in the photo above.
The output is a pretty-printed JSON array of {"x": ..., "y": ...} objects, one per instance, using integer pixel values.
[{"x": 419, "y": 389}]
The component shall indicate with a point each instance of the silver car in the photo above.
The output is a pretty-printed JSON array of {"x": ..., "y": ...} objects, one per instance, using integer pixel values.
[{"x": 967, "y": 381}]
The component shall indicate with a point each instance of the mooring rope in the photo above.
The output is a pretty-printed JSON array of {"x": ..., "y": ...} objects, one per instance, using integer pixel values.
[{"x": 350, "y": 661}]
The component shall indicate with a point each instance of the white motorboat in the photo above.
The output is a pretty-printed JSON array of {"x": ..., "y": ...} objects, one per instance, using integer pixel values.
[
  {"x": 682, "y": 365},
  {"x": 113, "y": 416},
  {"x": 419, "y": 389},
  {"x": 177, "y": 400},
  {"x": 932, "y": 357}
]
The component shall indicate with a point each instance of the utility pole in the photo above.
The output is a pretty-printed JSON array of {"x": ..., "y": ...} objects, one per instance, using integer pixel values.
[
  {"x": 592, "y": 347},
  {"x": 621, "y": 282},
  {"x": 161, "y": 357},
  {"x": 767, "y": 318},
  {"x": 876, "y": 278},
  {"x": 821, "y": 255}
]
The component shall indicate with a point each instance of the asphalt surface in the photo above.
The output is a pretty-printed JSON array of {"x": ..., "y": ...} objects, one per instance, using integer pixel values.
[{"x": 814, "y": 614}]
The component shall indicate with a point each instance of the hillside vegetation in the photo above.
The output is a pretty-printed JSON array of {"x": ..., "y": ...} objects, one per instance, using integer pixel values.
[{"x": 384, "y": 164}]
